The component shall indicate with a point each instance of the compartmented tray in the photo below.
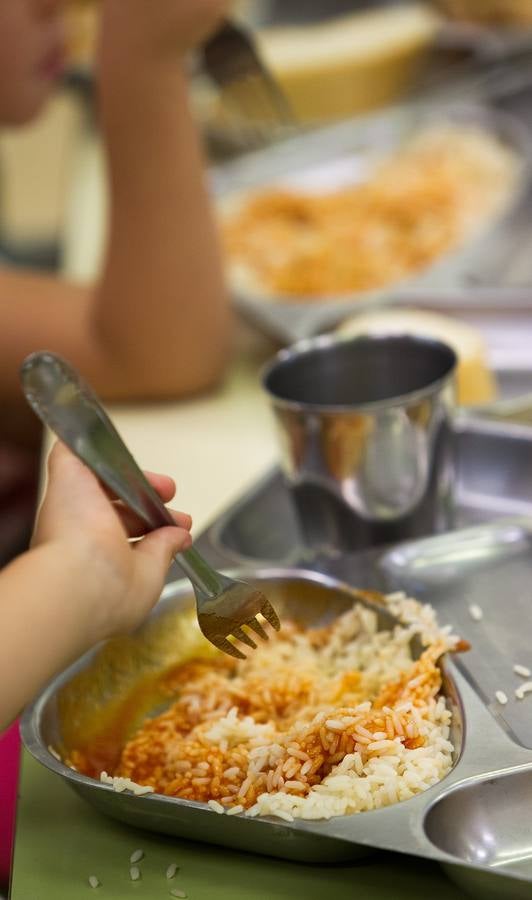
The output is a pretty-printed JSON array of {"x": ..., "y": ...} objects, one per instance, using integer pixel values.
[
  {"x": 489, "y": 766},
  {"x": 476, "y": 822},
  {"x": 493, "y": 480}
]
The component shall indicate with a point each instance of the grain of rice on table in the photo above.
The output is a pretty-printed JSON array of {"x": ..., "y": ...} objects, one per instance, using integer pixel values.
[{"x": 316, "y": 723}]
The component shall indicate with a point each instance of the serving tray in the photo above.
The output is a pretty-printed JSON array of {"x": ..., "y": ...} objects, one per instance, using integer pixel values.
[
  {"x": 476, "y": 821},
  {"x": 343, "y": 153},
  {"x": 493, "y": 480}
]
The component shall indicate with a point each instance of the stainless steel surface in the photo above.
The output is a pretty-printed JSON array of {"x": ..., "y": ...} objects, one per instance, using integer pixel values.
[
  {"x": 485, "y": 756},
  {"x": 514, "y": 409},
  {"x": 493, "y": 480},
  {"x": 355, "y": 145},
  {"x": 489, "y": 566},
  {"x": 67, "y": 405},
  {"x": 366, "y": 437},
  {"x": 493, "y": 43},
  {"x": 100, "y": 677},
  {"x": 233, "y": 62},
  {"x": 513, "y": 384},
  {"x": 487, "y": 823}
]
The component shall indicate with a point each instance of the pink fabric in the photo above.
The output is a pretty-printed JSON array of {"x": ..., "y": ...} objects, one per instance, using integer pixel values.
[{"x": 9, "y": 767}]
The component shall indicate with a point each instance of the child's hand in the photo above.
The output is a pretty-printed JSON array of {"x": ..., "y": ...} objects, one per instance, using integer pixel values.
[
  {"x": 161, "y": 29},
  {"x": 119, "y": 581}
]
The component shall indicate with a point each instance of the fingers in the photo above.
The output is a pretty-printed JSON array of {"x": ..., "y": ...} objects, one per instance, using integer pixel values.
[
  {"x": 61, "y": 457},
  {"x": 152, "y": 557},
  {"x": 166, "y": 488},
  {"x": 68, "y": 473},
  {"x": 136, "y": 527},
  {"x": 72, "y": 486},
  {"x": 160, "y": 546},
  {"x": 68, "y": 477},
  {"x": 62, "y": 461},
  {"x": 163, "y": 484},
  {"x": 70, "y": 490}
]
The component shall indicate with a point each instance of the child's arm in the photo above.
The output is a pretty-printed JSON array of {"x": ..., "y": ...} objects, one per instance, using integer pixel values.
[
  {"x": 80, "y": 583},
  {"x": 157, "y": 323}
]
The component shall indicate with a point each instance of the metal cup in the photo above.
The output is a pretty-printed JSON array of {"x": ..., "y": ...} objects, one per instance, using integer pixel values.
[{"x": 366, "y": 437}]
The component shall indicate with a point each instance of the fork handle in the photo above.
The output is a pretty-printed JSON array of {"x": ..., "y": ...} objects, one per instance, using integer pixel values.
[
  {"x": 68, "y": 405},
  {"x": 204, "y": 578},
  {"x": 155, "y": 514}
]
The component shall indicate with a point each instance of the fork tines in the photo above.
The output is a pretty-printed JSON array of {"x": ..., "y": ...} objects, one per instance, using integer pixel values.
[
  {"x": 268, "y": 612},
  {"x": 270, "y": 615}
]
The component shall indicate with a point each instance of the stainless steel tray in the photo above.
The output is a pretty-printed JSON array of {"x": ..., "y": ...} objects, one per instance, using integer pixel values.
[
  {"x": 493, "y": 480},
  {"x": 490, "y": 784},
  {"x": 460, "y": 272},
  {"x": 476, "y": 822}
]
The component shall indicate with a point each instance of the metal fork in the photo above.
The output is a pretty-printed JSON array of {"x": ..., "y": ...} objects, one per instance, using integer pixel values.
[
  {"x": 66, "y": 403},
  {"x": 231, "y": 59}
]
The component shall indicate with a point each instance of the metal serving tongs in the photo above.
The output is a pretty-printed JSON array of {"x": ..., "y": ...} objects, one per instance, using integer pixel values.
[{"x": 64, "y": 402}]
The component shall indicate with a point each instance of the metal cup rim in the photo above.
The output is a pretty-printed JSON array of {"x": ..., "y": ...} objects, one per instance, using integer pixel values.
[{"x": 325, "y": 341}]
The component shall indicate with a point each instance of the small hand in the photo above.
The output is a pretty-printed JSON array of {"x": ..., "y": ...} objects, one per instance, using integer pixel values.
[{"x": 122, "y": 580}]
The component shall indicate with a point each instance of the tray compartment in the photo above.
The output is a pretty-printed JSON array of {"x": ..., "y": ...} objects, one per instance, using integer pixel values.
[
  {"x": 489, "y": 566},
  {"x": 487, "y": 823},
  {"x": 66, "y": 710},
  {"x": 494, "y": 471},
  {"x": 493, "y": 479}
]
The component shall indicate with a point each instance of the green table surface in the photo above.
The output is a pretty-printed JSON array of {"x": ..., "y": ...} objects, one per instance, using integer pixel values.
[{"x": 61, "y": 840}]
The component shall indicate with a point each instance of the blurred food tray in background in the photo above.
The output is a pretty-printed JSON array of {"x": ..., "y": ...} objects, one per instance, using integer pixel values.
[{"x": 476, "y": 272}]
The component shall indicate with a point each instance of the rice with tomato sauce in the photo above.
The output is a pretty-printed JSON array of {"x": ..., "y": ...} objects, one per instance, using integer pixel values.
[{"x": 314, "y": 724}]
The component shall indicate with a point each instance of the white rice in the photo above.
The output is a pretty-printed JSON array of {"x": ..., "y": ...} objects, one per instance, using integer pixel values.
[
  {"x": 176, "y": 892},
  {"x": 134, "y": 873},
  {"x": 501, "y": 697},
  {"x": 524, "y": 671},
  {"x": 120, "y": 784},
  {"x": 352, "y": 787},
  {"x": 525, "y": 688},
  {"x": 136, "y": 856},
  {"x": 171, "y": 871},
  {"x": 476, "y": 612},
  {"x": 94, "y": 882},
  {"x": 328, "y": 758},
  {"x": 217, "y": 807},
  {"x": 393, "y": 772}
]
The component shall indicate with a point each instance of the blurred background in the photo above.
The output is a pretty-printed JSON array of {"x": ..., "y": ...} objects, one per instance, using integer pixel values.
[
  {"x": 357, "y": 65},
  {"x": 334, "y": 59}
]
